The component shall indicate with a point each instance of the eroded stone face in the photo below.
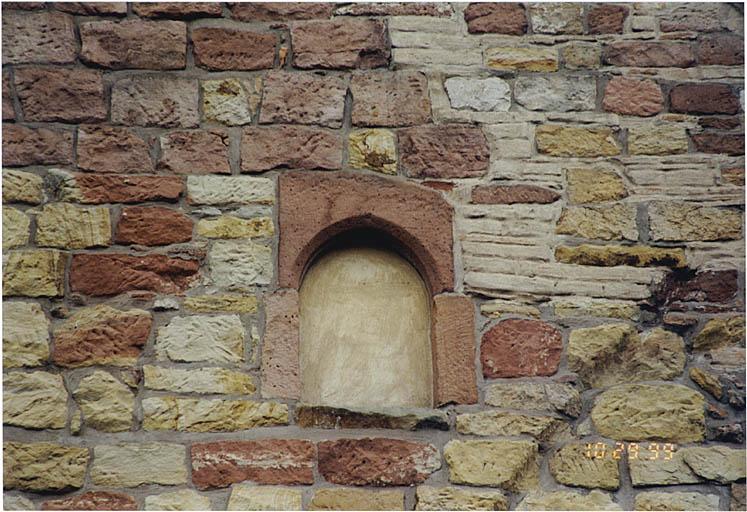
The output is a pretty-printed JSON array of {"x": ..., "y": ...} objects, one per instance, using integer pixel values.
[
  {"x": 357, "y": 499},
  {"x": 231, "y": 101},
  {"x": 571, "y": 466},
  {"x": 568, "y": 500},
  {"x": 253, "y": 497},
  {"x": 25, "y": 335},
  {"x": 198, "y": 380},
  {"x": 198, "y": 415},
  {"x": 34, "y": 273},
  {"x": 511, "y": 465},
  {"x": 43, "y": 466},
  {"x": 36, "y": 400},
  {"x": 184, "y": 499},
  {"x": 106, "y": 403},
  {"x": 16, "y": 226},
  {"x": 520, "y": 348},
  {"x": 93, "y": 500},
  {"x": 676, "y": 501},
  {"x": 456, "y": 498},
  {"x": 486, "y": 94},
  {"x": 147, "y": 463},
  {"x": 373, "y": 149},
  {"x": 71, "y": 227},
  {"x": 217, "y": 338}
]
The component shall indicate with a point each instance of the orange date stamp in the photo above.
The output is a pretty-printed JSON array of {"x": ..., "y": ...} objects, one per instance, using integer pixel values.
[{"x": 635, "y": 451}]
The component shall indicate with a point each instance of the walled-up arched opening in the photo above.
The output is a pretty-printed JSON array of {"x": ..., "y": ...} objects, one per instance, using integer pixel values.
[{"x": 364, "y": 327}]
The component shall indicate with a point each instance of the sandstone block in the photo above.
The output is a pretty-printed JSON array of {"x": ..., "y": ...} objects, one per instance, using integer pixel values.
[
  {"x": 155, "y": 101},
  {"x": 521, "y": 59},
  {"x": 672, "y": 221},
  {"x": 568, "y": 500},
  {"x": 560, "y": 18},
  {"x": 480, "y": 94},
  {"x": 16, "y": 226},
  {"x": 67, "y": 95},
  {"x": 184, "y": 499},
  {"x": 269, "y": 461},
  {"x": 649, "y": 54},
  {"x": 357, "y": 499},
  {"x": 34, "y": 273},
  {"x": 727, "y": 143},
  {"x": 35, "y": 146},
  {"x": 67, "y": 226},
  {"x": 177, "y": 10},
  {"x": 520, "y": 348},
  {"x": 704, "y": 98},
  {"x": 397, "y": 98},
  {"x": 633, "y": 413},
  {"x": 153, "y": 225},
  {"x": 720, "y": 332},
  {"x": 738, "y": 497},
  {"x": 35, "y": 400},
  {"x": 106, "y": 403},
  {"x": 396, "y": 9},
  {"x": 305, "y": 148},
  {"x": 43, "y": 466},
  {"x": 631, "y": 97},
  {"x": 698, "y": 17},
  {"x": 614, "y": 255},
  {"x": 44, "y": 37},
  {"x": 657, "y": 140},
  {"x": 704, "y": 286},
  {"x": 112, "y": 274},
  {"x": 9, "y": 113},
  {"x": 147, "y": 463},
  {"x": 134, "y": 44},
  {"x": 93, "y": 500},
  {"x": 676, "y": 501},
  {"x": 219, "y": 49},
  {"x": 555, "y": 93},
  {"x": 198, "y": 380},
  {"x": 22, "y": 187},
  {"x": 195, "y": 152},
  {"x": 606, "y": 19},
  {"x": 581, "y": 55},
  {"x": 456, "y": 498},
  {"x": 231, "y": 101},
  {"x": 594, "y": 186},
  {"x": 506, "y": 464},
  {"x": 717, "y": 463},
  {"x": 319, "y": 416},
  {"x": 513, "y": 194},
  {"x": 199, "y": 415},
  {"x": 616, "y": 222},
  {"x": 25, "y": 335},
  {"x": 571, "y": 466},
  {"x": 499, "y": 18},
  {"x": 281, "y": 374},
  {"x": 707, "y": 382},
  {"x": 91, "y": 8},
  {"x": 340, "y": 44},
  {"x": 101, "y": 335},
  {"x": 373, "y": 149},
  {"x": 547, "y": 397},
  {"x": 299, "y": 98},
  {"x": 214, "y": 190},
  {"x": 281, "y": 11},
  {"x": 600, "y": 308},
  {"x": 228, "y": 226},
  {"x": 120, "y": 188},
  {"x": 240, "y": 265},
  {"x": 112, "y": 149},
  {"x": 497, "y": 423},
  {"x": 646, "y": 468},
  {"x": 444, "y": 151},
  {"x": 217, "y": 303},
  {"x": 202, "y": 338},
  {"x": 253, "y": 497},
  {"x": 572, "y": 141},
  {"x": 376, "y": 461},
  {"x": 721, "y": 50}
]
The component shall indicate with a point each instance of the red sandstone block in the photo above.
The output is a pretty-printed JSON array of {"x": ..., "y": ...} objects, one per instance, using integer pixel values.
[
  {"x": 8, "y": 109},
  {"x": 36, "y": 146},
  {"x": 111, "y": 149},
  {"x": 340, "y": 44},
  {"x": 398, "y": 98},
  {"x": 520, "y": 348},
  {"x": 281, "y": 375},
  {"x": 303, "y": 148},
  {"x": 704, "y": 98},
  {"x": 705, "y": 286},
  {"x": 649, "y": 54},
  {"x": 195, "y": 152},
  {"x": 631, "y": 97},
  {"x": 153, "y": 226},
  {"x": 122, "y": 188},
  {"x": 112, "y": 274},
  {"x": 40, "y": 37},
  {"x": 93, "y": 500},
  {"x": 92, "y": 8},
  {"x": 512, "y": 194},
  {"x": 178, "y": 10},
  {"x": 443, "y": 151},
  {"x": 303, "y": 98},
  {"x": 269, "y": 461},
  {"x": 223, "y": 48},
  {"x": 134, "y": 44},
  {"x": 497, "y": 18},
  {"x": 606, "y": 19},
  {"x": 280, "y": 11},
  {"x": 721, "y": 49},
  {"x": 719, "y": 143}
]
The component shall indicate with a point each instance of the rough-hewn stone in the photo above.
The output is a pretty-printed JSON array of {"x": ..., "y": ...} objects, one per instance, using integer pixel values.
[
  {"x": 253, "y": 497},
  {"x": 67, "y": 226},
  {"x": 500, "y": 18},
  {"x": 16, "y": 226},
  {"x": 573, "y": 141},
  {"x": 22, "y": 187},
  {"x": 376, "y": 461},
  {"x": 720, "y": 332},
  {"x": 198, "y": 380},
  {"x": 555, "y": 93},
  {"x": 136, "y": 44},
  {"x": 601, "y": 308},
  {"x": 146, "y": 463},
  {"x": 269, "y": 461},
  {"x": 34, "y": 273},
  {"x": 704, "y": 98},
  {"x": 310, "y": 416},
  {"x": 726, "y": 143},
  {"x": 165, "y": 102},
  {"x": 305, "y": 148},
  {"x": 41, "y": 37},
  {"x": 673, "y": 221},
  {"x": 195, "y": 152},
  {"x": 35, "y": 400},
  {"x": 119, "y": 188},
  {"x": 23, "y": 145},
  {"x": 456, "y": 498},
  {"x": 93, "y": 500},
  {"x": 281, "y": 374},
  {"x": 25, "y": 335},
  {"x": 91, "y": 8},
  {"x": 647, "y": 468},
  {"x": 568, "y": 500},
  {"x": 397, "y": 98},
  {"x": 548, "y": 397},
  {"x": 221, "y": 302},
  {"x": 101, "y": 335},
  {"x": 703, "y": 286},
  {"x": 106, "y": 403},
  {"x": 707, "y": 382},
  {"x": 594, "y": 185},
  {"x": 238, "y": 265},
  {"x": 373, "y": 149},
  {"x": 676, "y": 501},
  {"x": 721, "y": 49},
  {"x": 507, "y": 464},
  {"x": 652, "y": 54},
  {"x": 633, "y": 413},
  {"x": 112, "y": 149},
  {"x": 444, "y": 151},
  {"x": 613, "y": 255},
  {"x": 615, "y": 222},
  {"x": 60, "y": 94},
  {"x": 277, "y": 11},
  {"x": 509, "y": 58},
  {"x": 228, "y": 226},
  {"x": 395, "y": 9},
  {"x": 231, "y": 101},
  {"x": 498, "y": 423},
  {"x": 202, "y": 338},
  {"x": 297, "y": 98},
  {"x": 718, "y": 463},
  {"x": 43, "y": 466},
  {"x": 153, "y": 225},
  {"x": 606, "y": 19},
  {"x": 661, "y": 139},
  {"x": 219, "y": 49},
  {"x": 513, "y": 194},
  {"x": 214, "y": 415},
  {"x": 357, "y": 499},
  {"x": 340, "y": 44},
  {"x": 520, "y": 348},
  {"x": 571, "y": 466},
  {"x": 581, "y": 55},
  {"x": 9, "y": 110},
  {"x": 177, "y": 10},
  {"x": 214, "y": 190},
  {"x": 556, "y": 18},
  {"x": 738, "y": 497},
  {"x": 631, "y": 97},
  {"x": 480, "y": 94},
  {"x": 184, "y": 499}
]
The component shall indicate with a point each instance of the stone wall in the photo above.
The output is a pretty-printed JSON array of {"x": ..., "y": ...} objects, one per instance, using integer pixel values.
[{"x": 593, "y": 157}]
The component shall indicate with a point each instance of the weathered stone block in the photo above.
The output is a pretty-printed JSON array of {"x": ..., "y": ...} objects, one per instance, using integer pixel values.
[
  {"x": 228, "y": 226},
  {"x": 664, "y": 139},
  {"x": 453, "y": 344},
  {"x": 443, "y": 151},
  {"x": 34, "y": 273},
  {"x": 555, "y": 93},
  {"x": 22, "y": 187},
  {"x": 676, "y": 501},
  {"x": 616, "y": 222},
  {"x": 521, "y": 59},
  {"x": 373, "y": 149},
  {"x": 507, "y": 464},
  {"x": 93, "y": 500},
  {"x": 217, "y": 415},
  {"x": 614, "y": 255},
  {"x": 43, "y": 37},
  {"x": 573, "y": 141},
  {"x": 281, "y": 11},
  {"x": 35, "y": 400},
  {"x": 456, "y": 498},
  {"x": 500, "y": 18},
  {"x": 202, "y": 338},
  {"x": 568, "y": 500},
  {"x": 480, "y": 94},
  {"x": 340, "y": 44},
  {"x": 221, "y": 302},
  {"x": 184, "y": 499},
  {"x": 155, "y": 101},
  {"x": 153, "y": 225},
  {"x": 606, "y": 19},
  {"x": 146, "y": 463},
  {"x": 67, "y": 95},
  {"x": 299, "y": 98},
  {"x": 556, "y": 18},
  {"x": 67, "y": 226},
  {"x": 547, "y": 397},
  {"x": 649, "y": 54},
  {"x": 581, "y": 55},
  {"x": 219, "y": 49},
  {"x": 195, "y": 152},
  {"x": 119, "y": 188},
  {"x": 43, "y": 466},
  {"x": 571, "y": 466},
  {"x": 112, "y": 149},
  {"x": 720, "y": 332},
  {"x": 704, "y": 98},
  {"x": 594, "y": 186},
  {"x": 672, "y": 221},
  {"x": 231, "y": 101},
  {"x": 253, "y": 497},
  {"x": 240, "y": 265},
  {"x": 717, "y": 463},
  {"x": 305, "y": 148},
  {"x": 198, "y": 380},
  {"x": 498, "y": 423},
  {"x": 357, "y": 499},
  {"x": 106, "y": 403},
  {"x": 520, "y": 348},
  {"x": 25, "y": 335},
  {"x": 320, "y": 416},
  {"x": 16, "y": 226},
  {"x": 214, "y": 190},
  {"x": 631, "y": 97},
  {"x": 397, "y": 98},
  {"x": 35, "y": 146}
]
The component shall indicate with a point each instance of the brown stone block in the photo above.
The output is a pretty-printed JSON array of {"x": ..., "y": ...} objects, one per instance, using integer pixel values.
[
  {"x": 41, "y": 37},
  {"x": 396, "y": 9},
  {"x": 224, "y": 48},
  {"x": 398, "y": 98},
  {"x": 8, "y": 109},
  {"x": 704, "y": 286},
  {"x": 195, "y": 152},
  {"x": 303, "y": 148},
  {"x": 269, "y": 461},
  {"x": 606, "y": 19},
  {"x": 512, "y": 194},
  {"x": 110, "y": 149},
  {"x": 453, "y": 337},
  {"x": 74, "y": 95},
  {"x": 340, "y": 44},
  {"x": 704, "y": 98},
  {"x": 521, "y": 348},
  {"x": 178, "y": 10},
  {"x": 112, "y": 274},
  {"x": 720, "y": 143},
  {"x": 91, "y": 8},
  {"x": 497, "y": 18},
  {"x": 36, "y": 146},
  {"x": 649, "y": 54},
  {"x": 299, "y": 98},
  {"x": 154, "y": 225},
  {"x": 443, "y": 151},
  {"x": 632, "y": 97},
  {"x": 280, "y": 11},
  {"x": 721, "y": 50},
  {"x": 121, "y": 188},
  {"x": 281, "y": 374},
  {"x": 162, "y": 101}
]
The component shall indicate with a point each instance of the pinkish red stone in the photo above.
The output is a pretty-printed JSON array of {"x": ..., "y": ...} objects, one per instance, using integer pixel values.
[
  {"x": 111, "y": 149},
  {"x": 268, "y": 461},
  {"x": 443, "y": 151},
  {"x": 93, "y": 8},
  {"x": 134, "y": 44},
  {"x": 316, "y": 207},
  {"x": 453, "y": 335},
  {"x": 281, "y": 375},
  {"x": 69, "y": 95},
  {"x": 195, "y": 152},
  {"x": 8, "y": 109},
  {"x": 396, "y": 98},
  {"x": 512, "y": 194},
  {"x": 111, "y": 274},
  {"x": 631, "y": 97},
  {"x": 377, "y": 461},
  {"x": 703, "y": 98},
  {"x": 300, "y": 98},
  {"x": 150, "y": 100},
  {"x": 303, "y": 148},
  {"x": 93, "y": 500},
  {"x": 721, "y": 49},
  {"x": 280, "y": 11},
  {"x": 35, "y": 38},
  {"x": 36, "y": 146},
  {"x": 521, "y": 348},
  {"x": 606, "y": 19},
  {"x": 178, "y": 10},
  {"x": 230, "y": 49},
  {"x": 719, "y": 143},
  {"x": 340, "y": 44},
  {"x": 497, "y": 18},
  {"x": 122, "y": 188},
  {"x": 649, "y": 54},
  {"x": 396, "y": 9},
  {"x": 153, "y": 225}
]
